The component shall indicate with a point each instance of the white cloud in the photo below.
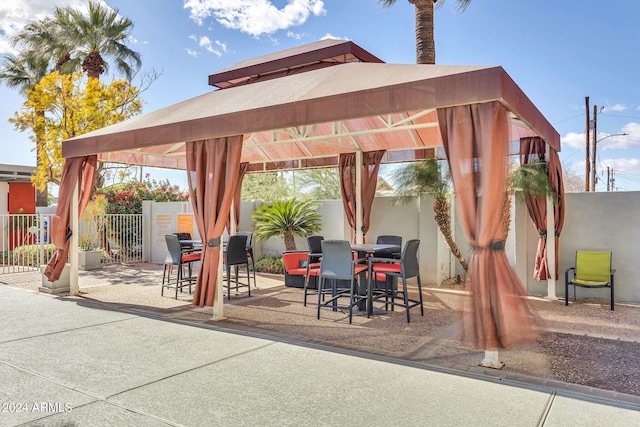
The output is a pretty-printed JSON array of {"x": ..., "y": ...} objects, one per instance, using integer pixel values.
[
  {"x": 615, "y": 107},
  {"x": 631, "y": 140},
  {"x": 572, "y": 139},
  {"x": 223, "y": 46},
  {"x": 254, "y": 17},
  {"x": 623, "y": 165},
  {"x": 607, "y": 141},
  {"x": 192, "y": 52},
  {"x": 293, "y": 35},
  {"x": 330, "y": 36},
  {"x": 205, "y": 42},
  {"x": 15, "y": 14}
]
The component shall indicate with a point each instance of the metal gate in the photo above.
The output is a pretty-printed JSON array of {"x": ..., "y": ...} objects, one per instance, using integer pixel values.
[{"x": 25, "y": 241}]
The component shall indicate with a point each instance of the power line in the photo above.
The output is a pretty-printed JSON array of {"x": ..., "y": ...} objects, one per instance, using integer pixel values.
[{"x": 620, "y": 116}]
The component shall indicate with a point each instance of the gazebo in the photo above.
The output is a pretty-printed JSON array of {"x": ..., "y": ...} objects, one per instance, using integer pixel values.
[{"x": 331, "y": 103}]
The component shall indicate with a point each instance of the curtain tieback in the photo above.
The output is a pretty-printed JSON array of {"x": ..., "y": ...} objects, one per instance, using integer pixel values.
[
  {"x": 213, "y": 242},
  {"x": 543, "y": 233},
  {"x": 557, "y": 233},
  {"x": 494, "y": 245}
]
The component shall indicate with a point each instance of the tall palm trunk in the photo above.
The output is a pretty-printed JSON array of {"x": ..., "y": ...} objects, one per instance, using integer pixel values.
[
  {"x": 442, "y": 210},
  {"x": 506, "y": 215},
  {"x": 425, "y": 40},
  {"x": 289, "y": 241}
]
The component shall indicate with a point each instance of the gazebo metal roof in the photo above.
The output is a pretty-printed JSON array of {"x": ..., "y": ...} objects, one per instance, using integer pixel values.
[{"x": 308, "y": 118}]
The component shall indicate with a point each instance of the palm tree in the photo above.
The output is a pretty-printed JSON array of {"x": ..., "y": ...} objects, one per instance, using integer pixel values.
[
  {"x": 99, "y": 36},
  {"x": 287, "y": 218},
  {"x": 75, "y": 41},
  {"x": 45, "y": 37},
  {"x": 24, "y": 72},
  {"x": 318, "y": 184},
  {"x": 425, "y": 43},
  {"x": 426, "y": 178}
]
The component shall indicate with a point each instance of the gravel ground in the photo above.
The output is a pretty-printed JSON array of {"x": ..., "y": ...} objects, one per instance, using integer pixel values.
[{"x": 585, "y": 343}]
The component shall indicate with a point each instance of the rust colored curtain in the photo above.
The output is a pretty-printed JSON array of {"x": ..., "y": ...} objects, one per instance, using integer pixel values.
[
  {"x": 557, "y": 185},
  {"x": 476, "y": 141},
  {"x": 533, "y": 149},
  {"x": 238, "y": 194},
  {"x": 212, "y": 167},
  {"x": 347, "y": 170},
  {"x": 371, "y": 166},
  {"x": 76, "y": 169}
]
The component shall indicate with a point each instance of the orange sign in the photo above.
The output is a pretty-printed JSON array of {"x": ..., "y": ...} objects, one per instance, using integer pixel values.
[{"x": 185, "y": 223}]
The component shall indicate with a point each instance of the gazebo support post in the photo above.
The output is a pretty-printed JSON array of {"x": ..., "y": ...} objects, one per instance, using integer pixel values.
[
  {"x": 551, "y": 243},
  {"x": 218, "y": 297},
  {"x": 73, "y": 245},
  {"x": 359, "y": 232},
  {"x": 491, "y": 360}
]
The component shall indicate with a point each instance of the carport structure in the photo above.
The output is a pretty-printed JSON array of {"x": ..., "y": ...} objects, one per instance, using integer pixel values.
[{"x": 312, "y": 106}]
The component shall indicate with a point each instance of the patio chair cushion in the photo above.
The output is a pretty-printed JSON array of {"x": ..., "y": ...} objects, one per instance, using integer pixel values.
[
  {"x": 382, "y": 267},
  {"x": 293, "y": 273}
]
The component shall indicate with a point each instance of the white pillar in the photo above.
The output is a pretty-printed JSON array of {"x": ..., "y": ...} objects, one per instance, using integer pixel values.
[
  {"x": 521, "y": 241},
  {"x": 73, "y": 245},
  {"x": 359, "y": 234},
  {"x": 551, "y": 245},
  {"x": 491, "y": 360},
  {"x": 218, "y": 298},
  {"x": 551, "y": 250},
  {"x": 444, "y": 257}
]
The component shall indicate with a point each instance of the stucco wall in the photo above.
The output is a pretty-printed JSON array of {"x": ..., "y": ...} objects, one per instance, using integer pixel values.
[
  {"x": 4, "y": 198},
  {"x": 598, "y": 221}
]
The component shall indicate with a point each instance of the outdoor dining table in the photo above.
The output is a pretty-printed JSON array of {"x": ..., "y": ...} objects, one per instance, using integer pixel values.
[
  {"x": 364, "y": 249},
  {"x": 190, "y": 245},
  {"x": 372, "y": 248}
]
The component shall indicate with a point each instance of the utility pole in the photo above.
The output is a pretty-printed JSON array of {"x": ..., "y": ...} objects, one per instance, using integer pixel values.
[
  {"x": 587, "y": 174},
  {"x": 608, "y": 178},
  {"x": 593, "y": 151},
  {"x": 612, "y": 180}
]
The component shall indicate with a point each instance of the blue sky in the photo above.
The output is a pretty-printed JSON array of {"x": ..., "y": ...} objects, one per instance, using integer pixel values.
[{"x": 558, "y": 52}]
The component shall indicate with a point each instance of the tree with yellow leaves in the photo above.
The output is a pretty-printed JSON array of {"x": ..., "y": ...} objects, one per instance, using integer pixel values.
[{"x": 72, "y": 106}]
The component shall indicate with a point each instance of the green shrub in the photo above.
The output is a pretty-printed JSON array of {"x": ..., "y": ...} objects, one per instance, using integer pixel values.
[
  {"x": 28, "y": 254},
  {"x": 270, "y": 265}
]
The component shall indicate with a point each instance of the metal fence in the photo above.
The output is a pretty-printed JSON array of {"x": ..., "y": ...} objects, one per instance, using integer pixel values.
[
  {"x": 119, "y": 236},
  {"x": 25, "y": 241}
]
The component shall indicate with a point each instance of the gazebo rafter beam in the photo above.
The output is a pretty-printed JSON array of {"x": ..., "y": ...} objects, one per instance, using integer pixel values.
[{"x": 339, "y": 129}]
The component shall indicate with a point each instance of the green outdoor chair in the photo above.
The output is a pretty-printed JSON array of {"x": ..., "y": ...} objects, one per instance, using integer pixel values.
[{"x": 592, "y": 270}]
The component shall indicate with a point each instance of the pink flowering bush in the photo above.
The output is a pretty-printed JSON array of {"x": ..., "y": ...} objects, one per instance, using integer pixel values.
[{"x": 126, "y": 198}]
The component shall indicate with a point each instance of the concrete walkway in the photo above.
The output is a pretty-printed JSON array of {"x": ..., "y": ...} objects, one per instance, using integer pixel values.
[{"x": 68, "y": 361}]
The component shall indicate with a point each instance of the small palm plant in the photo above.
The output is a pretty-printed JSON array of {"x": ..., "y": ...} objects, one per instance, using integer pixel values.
[
  {"x": 426, "y": 177},
  {"x": 530, "y": 179},
  {"x": 288, "y": 218}
]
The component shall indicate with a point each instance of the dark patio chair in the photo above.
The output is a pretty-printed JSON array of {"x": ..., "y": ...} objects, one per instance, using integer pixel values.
[
  {"x": 389, "y": 240},
  {"x": 404, "y": 268},
  {"x": 313, "y": 266},
  {"x": 177, "y": 258},
  {"x": 249, "y": 235},
  {"x": 338, "y": 264},
  {"x": 236, "y": 256},
  {"x": 187, "y": 247}
]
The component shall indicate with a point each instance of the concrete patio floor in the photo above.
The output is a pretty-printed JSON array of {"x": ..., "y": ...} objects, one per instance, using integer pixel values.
[{"x": 606, "y": 374}]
